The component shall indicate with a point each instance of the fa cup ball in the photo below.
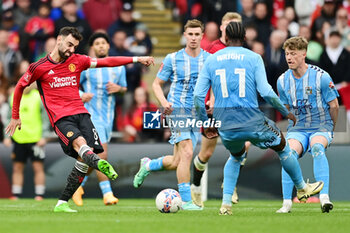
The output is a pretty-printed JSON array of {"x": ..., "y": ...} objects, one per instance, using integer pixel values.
[{"x": 168, "y": 201}]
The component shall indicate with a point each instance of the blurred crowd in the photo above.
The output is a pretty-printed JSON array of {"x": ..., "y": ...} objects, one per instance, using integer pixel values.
[
  {"x": 324, "y": 23},
  {"x": 28, "y": 30}
]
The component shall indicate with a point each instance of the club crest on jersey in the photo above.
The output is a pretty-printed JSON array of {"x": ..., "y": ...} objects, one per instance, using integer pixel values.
[
  {"x": 308, "y": 90},
  {"x": 71, "y": 67},
  {"x": 27, "y": 77},
  {"x": 331, "y": 85},
  {"x": 70, "y": 134}
]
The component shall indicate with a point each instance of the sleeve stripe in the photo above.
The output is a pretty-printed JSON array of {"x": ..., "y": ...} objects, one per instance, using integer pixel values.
[
  {"x": 35, "y": 65},
  {"x": 93, "y": 63}
]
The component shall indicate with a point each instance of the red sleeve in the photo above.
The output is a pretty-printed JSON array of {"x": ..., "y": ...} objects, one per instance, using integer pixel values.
[
  {"x": 111, "y": 61},
  {"x": 24, "y": 81}
]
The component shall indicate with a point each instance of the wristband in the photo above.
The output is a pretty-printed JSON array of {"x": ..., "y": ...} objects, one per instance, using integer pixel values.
[{"x": 134, "y": 59}]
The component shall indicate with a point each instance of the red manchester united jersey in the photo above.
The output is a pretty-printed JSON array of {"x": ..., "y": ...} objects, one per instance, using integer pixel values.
[
  {"x": 215, "y": 46},
  {"x": 58, "y": 84}
]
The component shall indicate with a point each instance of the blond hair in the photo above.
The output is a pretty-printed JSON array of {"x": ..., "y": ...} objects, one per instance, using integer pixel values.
[
  {"x": 232, "y": 16},
  {"x": 296, "y": 43},
  {"x": 194, "y": 23}
]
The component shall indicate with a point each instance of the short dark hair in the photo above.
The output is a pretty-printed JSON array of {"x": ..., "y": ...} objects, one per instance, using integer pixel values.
[
  {"x": 335, "y": 33},
  {"x": 65, "y": 31},
  {"x": 97, "y": 35},
  {"x": 235, "y": 32}
]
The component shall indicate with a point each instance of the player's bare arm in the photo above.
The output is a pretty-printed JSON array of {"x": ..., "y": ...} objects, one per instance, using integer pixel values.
[
  {"x": 12, "y": 126},
  {"x": 333, "y": 111},
  {"x": 15, "y": 122},
  {"x": 86, "y": 97},
  {"x": 291, "y": 116},
  {"x": 147, "y": 61},
  {"x": 158, "y": 91},
  {"x": 42, "y": 142},
  {"x": 209, "y": 105},
  {"x": 115, "y": 88},
  {"x": 119, "y": 61}
]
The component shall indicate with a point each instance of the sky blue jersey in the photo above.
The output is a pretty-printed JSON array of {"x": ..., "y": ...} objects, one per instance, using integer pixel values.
[
  {"x": 308, "y": 98},
  {"x": 235, "y": 75},
  {"x": 182, "y": 70},
  {"x": 94, "y": 80}
]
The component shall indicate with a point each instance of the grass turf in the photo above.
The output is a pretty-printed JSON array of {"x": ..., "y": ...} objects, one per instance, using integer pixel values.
[{"x": 140, "y": 215}]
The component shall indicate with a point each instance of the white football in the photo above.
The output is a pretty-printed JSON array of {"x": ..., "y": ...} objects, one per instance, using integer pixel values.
[{"x": 168, "y": 201}]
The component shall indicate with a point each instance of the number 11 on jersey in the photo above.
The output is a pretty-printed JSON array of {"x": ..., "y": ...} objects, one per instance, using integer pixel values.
[{"x": 241, "y": 81}]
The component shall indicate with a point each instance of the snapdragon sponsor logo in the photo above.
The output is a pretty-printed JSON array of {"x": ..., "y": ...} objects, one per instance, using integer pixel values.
[{"x": 63, "y": 81}]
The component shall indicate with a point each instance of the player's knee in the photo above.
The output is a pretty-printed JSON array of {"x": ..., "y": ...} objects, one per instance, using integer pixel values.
[
  {"x": 173, "y": 164},
  {"x": 18, "y": 167},
  {"x": 317, "y": 150},
  {"x": 78, "y": 142},
  {"x": 38, "y": 167},
  {"x": 187, "y": 155}
]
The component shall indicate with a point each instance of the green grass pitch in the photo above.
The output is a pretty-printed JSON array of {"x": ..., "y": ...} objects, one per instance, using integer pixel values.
[{"x": 141, "y": 215}]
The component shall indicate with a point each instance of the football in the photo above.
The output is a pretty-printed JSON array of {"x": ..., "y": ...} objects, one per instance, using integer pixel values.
[{"x": 168, "y": 201}]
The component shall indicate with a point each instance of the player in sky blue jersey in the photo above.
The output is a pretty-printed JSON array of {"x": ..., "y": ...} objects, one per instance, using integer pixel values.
[
  {"x": 236, "y": 75},
  {"x": 182, "y": 68},
  {"x": 309, "y": 93},
  {"x": 100, "y": 86},
  {"x": 208, "y": 145}
]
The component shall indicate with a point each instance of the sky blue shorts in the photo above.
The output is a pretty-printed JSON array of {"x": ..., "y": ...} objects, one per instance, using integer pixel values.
[
  {"x": 104, "y": 131},
  {"x": 305, "y": 138},
  {"x": 263, "y": 135},
  {"x": 179, "y": 134}
]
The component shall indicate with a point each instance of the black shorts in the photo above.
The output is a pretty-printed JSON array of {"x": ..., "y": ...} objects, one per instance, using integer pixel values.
[
  {"x": 70, "y": 127},
  {"x": 21, "y": 152}
]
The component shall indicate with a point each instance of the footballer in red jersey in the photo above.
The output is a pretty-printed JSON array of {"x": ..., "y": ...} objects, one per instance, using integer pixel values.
[
  {"x": 208, "y": 144},
  {"x": 57, "y": 76}
]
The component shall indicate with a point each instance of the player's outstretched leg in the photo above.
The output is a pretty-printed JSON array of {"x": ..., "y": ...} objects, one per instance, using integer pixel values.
[
  {"x": 321, "y": 171},
  {"x": 107, "y": 169},
  {"x": 146, "y": 166},
  {"x": 142, "y": 173},
  {"x": 94, "y": 161},
  {"x": 73, "y": 182}
]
